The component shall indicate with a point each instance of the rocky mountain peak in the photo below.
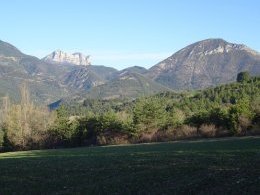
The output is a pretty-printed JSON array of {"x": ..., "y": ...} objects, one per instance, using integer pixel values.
[
  {"x": 205, "y": 63},
  {"x": 215, "y": 46},
  {"x": 211, "y": 47},
  {"x": 60, "y": 57}
]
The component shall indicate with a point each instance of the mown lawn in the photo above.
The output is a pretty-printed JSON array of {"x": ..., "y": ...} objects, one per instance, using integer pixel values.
[{"x": 217, "y": 166}]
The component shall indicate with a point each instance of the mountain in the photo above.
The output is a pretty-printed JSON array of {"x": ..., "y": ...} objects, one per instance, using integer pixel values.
[
  {"x": 42, "y": 78},
  {"x": 126, "y": 85},
  {"x": 136, "y": 69},
  {"x": 9, "y": 50},
  {"x": 60, "y": 75},
  {"x": 60, "y": 57},
  {"x": 206, "y": 63},
  {"x": 86, "y": 77}
]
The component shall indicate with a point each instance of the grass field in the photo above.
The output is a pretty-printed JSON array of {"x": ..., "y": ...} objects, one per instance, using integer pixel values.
[{"x": 217, "y": 166}]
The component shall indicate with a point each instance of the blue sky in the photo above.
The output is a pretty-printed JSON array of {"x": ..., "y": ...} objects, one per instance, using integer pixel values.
[{"x": 122, "y": 33}]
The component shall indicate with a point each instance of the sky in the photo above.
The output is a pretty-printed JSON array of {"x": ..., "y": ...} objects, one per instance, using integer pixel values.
[{"x": 123, "y": 33}]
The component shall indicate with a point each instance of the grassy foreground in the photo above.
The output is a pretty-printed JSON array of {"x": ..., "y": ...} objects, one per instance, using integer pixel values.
[{"x": 217, "y": 166}]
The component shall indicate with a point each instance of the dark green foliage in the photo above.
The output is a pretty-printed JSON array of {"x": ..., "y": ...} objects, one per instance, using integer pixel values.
[
  {"x": 98, "y": 106},
  {"x": 62, "y": 131},
  {"x": 243, "y": 77},
  {"x": 227, "y": 108},
  {"x": 92, "y": 129},
  {"x": 241, "y": 109},
  {"x": 106, "y": 125},
  {"x": 6, "y": 145},
  {"x": 231, "y": 109},
  {"x": 217, "y": 116},
  {"x": 149, "y": 113}
]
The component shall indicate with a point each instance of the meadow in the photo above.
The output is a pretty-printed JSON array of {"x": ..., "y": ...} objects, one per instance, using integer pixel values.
[{"x": 208, "y": 166}]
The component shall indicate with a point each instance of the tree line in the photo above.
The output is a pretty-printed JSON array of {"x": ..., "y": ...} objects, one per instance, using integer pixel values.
[{"x": 226, "y": 110}]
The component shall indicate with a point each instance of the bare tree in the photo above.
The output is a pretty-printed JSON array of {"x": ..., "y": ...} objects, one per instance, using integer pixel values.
[{"x": 26, "y": 124}]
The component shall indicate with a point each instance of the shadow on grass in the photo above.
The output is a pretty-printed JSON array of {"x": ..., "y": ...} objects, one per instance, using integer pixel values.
[{"x": 208, "y": 167}]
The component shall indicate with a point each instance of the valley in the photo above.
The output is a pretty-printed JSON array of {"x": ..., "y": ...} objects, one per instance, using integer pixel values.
[
  {"x": 130, "y": 97},
  {"x": 204, "y": 64}
]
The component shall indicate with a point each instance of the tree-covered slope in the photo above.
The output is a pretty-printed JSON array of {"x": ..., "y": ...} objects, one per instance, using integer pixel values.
[{"x": 126, "y": 85}]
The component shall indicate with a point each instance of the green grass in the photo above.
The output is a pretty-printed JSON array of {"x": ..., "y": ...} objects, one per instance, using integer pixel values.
[{"x": 217, "y": 166}]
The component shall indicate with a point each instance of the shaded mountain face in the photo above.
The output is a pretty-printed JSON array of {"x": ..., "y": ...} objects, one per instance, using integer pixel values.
[
  {"x": 17, "y": 68},
  {"x": 60, "y": 57},
  {"x": 85, "y": 78},
  {"x": 204, "y": 64},
  {"x": 100, "y": 82},
  {"x": 126, "y": 85}
]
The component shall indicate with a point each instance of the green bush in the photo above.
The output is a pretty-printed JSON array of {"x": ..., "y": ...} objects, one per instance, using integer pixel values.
[
  {"x": 243, "y": 77},
  {"x": 149, "y": 114},
  {"x": 240, "y": 116},
  {"x": 61, "y": 132},
  {"x": 102, "y": 129},
  {"x": 217, "y": 116}
]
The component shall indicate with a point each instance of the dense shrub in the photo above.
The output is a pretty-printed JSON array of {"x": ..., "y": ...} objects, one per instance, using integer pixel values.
[
  {"x": 101, "y": 129},
  {"x": 243, "y": 77},
  {"x": 207, "y": 130},
  {"x": 186, "y": 131},
  {"x": 149, "y": 114},
  {"x": 240, "y": 116},
  {"x": 62, "y": 130},
  {"x": 217, "y": 116}
]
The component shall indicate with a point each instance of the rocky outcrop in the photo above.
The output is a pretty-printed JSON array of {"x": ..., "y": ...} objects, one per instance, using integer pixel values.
[
  {"x": 60, "y": 57},
  {"x": 206, "y": 63}
]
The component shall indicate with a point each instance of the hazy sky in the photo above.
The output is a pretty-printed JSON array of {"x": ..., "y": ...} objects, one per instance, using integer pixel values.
[{"x": 122, "y": 33}]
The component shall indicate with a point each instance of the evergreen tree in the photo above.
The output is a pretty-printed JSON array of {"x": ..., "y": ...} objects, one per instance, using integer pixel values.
[{"x": 243, "y": 77}]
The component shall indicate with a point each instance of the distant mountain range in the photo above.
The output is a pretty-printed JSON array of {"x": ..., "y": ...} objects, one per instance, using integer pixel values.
[{"x": 200, "y": 65}]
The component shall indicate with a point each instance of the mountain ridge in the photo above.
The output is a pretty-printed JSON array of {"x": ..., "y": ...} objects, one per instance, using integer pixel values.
[
  {"x": 200, "y": 65},
  {"x": 205, "y": 63}
]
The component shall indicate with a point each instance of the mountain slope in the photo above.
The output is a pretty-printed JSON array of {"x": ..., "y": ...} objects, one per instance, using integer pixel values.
[
  {"x": 136, "y": 69},
  {"x": 87, "y": 77},
  {"x": 42, "y": 78},
  {"x": 200, "y": 65},
  {"x": 204, "y": 64},
  {"x": 126, "y": 85},
  {"x": 9, "y": 50}
]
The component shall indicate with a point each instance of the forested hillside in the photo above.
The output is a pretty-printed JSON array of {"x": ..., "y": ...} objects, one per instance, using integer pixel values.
[{"x": 226, "y": 110}]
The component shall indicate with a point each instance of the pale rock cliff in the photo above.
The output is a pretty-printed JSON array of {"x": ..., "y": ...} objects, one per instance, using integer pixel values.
[{"x": 60, "y": 57}]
